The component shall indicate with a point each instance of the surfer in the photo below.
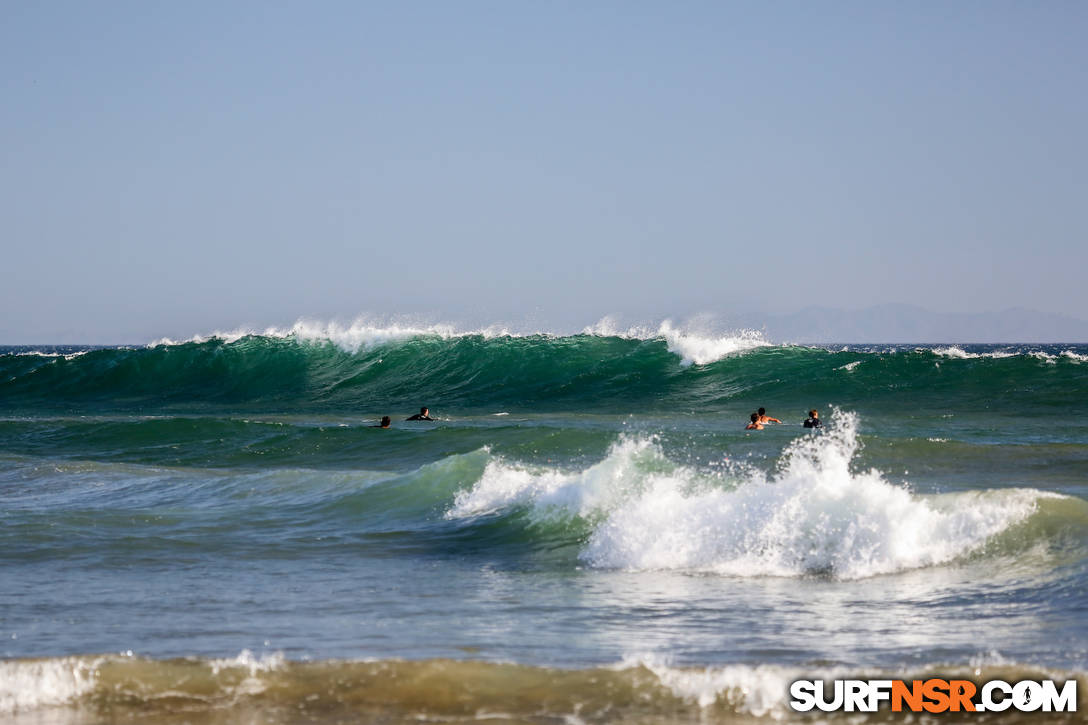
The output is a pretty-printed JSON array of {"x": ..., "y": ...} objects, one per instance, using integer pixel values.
[
  {"x": 813, "y": 420},
  {"x": 423, "y": 414},
  {"x": 755, "y": 424},
  {"x": 764, "y": 418},
  {"x": 384, "y": 422}
]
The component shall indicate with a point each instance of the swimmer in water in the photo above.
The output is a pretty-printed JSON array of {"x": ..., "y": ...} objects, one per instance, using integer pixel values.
[
  {"x": 755, "y": 424},
  {"x": 423, "y": 414},
  {"x": 764, "y": 418},
  {"x": 384, "y": 422},
  {"x": 813, "y": 420}
]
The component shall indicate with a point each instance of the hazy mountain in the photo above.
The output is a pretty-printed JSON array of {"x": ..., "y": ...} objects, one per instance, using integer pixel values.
[{"x": 908, "y": 323}]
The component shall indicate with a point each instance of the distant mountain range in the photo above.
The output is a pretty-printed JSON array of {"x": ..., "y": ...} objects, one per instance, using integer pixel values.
[{"x": 908, "y": 323}]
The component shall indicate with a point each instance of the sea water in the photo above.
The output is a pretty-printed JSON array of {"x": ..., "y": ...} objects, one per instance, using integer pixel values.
[{"x": 212, "y": 530}]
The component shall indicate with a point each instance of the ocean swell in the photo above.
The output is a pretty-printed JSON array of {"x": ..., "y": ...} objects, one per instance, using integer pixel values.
[{"x": 327, "y": 367}]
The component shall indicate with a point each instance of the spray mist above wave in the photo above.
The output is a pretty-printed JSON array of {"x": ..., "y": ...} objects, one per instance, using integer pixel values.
[
  {"x": 363, "y": 333},
  {"x": 812, "y": 516},
  {"x": 699, "y": 341},
  {"x": 690, "y": 343}
]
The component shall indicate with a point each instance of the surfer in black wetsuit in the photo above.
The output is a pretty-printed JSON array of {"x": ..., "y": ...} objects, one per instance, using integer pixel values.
[
  {"x": 386, "y": 420},
  {"x": 421, "y": 415},
  {"x": 813, "y": 420}
]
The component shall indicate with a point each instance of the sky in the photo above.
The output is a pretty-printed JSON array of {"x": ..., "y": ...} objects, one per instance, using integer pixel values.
[{"x": 168, "y": 169}]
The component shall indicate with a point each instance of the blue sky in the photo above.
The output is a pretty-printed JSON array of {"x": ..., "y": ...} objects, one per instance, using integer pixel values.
[{"x": 172, "y": 168}]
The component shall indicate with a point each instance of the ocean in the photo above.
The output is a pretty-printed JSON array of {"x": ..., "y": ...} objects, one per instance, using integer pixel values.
[{"x": 211, "y": 531}]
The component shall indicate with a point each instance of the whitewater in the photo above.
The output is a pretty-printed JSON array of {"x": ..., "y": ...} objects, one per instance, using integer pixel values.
[{"x": 211, "y": 528}]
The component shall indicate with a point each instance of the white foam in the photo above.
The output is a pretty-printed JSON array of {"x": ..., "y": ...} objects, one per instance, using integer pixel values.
[
  {"x": 549, "y": 492},
  {"x": 956, "y": 352},
  {"x": 29, "y": 684},
  {"x": 692, "y": 345},
  {"x": 850, "y": 366},
  {"x": 959, "y": 353},
  {"x": 702, "y": 350},
  {"x": 40, "y": 353},
  {"x": 1070, "y": 355},
  {"x": 253, "y": 684},
  {"x": 814, "y": 516},
  {"x": 763, "y": 690},
  {"x": 246, "y": 661},
  {"x": 756, "y": 690},
  {"x": 360, "y": 334}
]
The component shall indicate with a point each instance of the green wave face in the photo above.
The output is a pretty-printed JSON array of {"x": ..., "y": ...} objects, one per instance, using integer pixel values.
[{"x": 587, "y": 373}]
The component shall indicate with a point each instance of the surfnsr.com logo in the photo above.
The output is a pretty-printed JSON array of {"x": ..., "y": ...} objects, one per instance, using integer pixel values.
[{"x": 933, "y": 695}]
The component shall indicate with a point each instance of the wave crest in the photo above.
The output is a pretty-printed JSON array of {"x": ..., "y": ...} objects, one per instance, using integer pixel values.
[
  {"x": 691, "y": 345},
  {"x": 362, "y": 333}
]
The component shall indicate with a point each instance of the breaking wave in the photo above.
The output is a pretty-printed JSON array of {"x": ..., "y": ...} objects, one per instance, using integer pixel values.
[
  {"x": 332, "y": 367},
  {"x": 813, "y": 516},
  {"x": 642, "y": 688}
]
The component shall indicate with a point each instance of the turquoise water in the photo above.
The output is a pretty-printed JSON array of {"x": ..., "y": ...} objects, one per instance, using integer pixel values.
[{"x": 582, "y": 502}]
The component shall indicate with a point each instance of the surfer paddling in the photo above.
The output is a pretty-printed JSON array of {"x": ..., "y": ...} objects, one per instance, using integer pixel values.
[
  {"x": 813, "y": 420},
  {"x": 423, "y": 414},
  {"x": 755, "y": 424}
]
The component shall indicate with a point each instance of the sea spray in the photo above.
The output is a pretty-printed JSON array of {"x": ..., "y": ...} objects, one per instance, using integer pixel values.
[
  {"x": 693, "y": 345},
  {"x": 32, "y": 684},
  {"x": 814, "y": 515},
  {"x": 550, "y": 493}
]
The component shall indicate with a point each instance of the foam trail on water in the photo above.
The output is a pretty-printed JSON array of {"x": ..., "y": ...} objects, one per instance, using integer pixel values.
[
  {"x": 958, "y": 353},
  {"x": 814, "y": 515},
  {"x": 40, "y": 353}
]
